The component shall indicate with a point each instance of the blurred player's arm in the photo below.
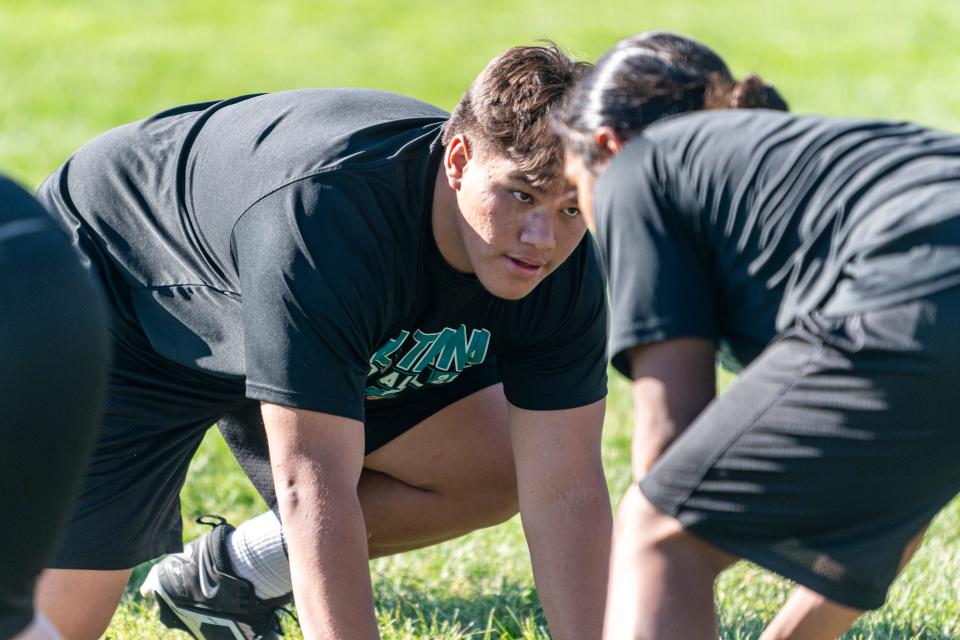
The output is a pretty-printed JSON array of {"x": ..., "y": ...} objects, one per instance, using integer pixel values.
[
  {"x": 565, "y": 510},
  {"x": 673, "y": 381},
  {"x": 317, "y": 459}
]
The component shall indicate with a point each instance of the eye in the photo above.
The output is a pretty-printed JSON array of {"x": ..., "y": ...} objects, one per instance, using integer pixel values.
[
  {"x": 570, "y": 212},
  {"x": 522, "y": 196}
]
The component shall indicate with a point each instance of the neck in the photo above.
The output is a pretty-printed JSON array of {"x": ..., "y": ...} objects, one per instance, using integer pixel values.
[{"x": 443, "y": 222}]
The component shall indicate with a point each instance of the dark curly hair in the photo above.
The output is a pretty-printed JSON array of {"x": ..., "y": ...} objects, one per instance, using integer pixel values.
[{"x": 509, "y": 107}]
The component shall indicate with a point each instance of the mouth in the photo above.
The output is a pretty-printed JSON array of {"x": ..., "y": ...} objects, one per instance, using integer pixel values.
[{"x": 525, "y": 266}]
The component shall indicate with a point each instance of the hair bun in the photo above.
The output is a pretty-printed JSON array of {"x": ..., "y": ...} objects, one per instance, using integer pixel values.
[{"x": 754, "y": 93}]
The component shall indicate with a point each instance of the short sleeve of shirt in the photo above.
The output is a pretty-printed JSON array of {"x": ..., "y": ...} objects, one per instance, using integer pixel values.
[
  {"x": 560, "y": 331},
  {"x": 311, "y": 273},
  {"x": 658, "y": 274}
]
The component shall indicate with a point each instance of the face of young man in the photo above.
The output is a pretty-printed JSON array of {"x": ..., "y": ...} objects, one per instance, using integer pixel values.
[{"x": 510, "y": 234}]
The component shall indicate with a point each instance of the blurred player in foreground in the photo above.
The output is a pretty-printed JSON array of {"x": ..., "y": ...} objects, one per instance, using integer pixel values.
[{"x": 53, "y": 343}]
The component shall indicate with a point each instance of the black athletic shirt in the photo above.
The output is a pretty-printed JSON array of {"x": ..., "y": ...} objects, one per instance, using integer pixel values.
[
  {"x": 285, "y": 238},
  {"x": 731, "y": 225}
]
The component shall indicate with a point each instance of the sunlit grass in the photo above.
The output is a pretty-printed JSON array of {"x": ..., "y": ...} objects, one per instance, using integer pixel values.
[{"x": 70, "y": 70}]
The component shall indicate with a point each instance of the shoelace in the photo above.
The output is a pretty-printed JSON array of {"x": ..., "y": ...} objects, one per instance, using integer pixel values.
[{"x": 211, "y": 520}]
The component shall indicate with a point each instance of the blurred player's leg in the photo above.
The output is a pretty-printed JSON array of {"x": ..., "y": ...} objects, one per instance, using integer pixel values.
[
  {"x": 661, "y": 577},
  {"x": 807, "y": 615},
  {"x": 39, "y": 629},
  {"x": 83, "y": 617}
]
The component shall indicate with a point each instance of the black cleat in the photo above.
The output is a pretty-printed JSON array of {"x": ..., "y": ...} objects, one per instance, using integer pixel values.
[{"x": 197, "y": 592}]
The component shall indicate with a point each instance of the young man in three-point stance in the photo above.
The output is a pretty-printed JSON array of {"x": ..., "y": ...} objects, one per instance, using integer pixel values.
[{"x": 411, "y": 301}]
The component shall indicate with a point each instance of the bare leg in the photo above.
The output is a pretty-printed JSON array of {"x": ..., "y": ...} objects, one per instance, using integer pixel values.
[
  {"x": 807, "y": 615},
  {"x": 80, "y": 603},
  {"x": 661, "y": 577},
  {"x": 449, "y": 475}
]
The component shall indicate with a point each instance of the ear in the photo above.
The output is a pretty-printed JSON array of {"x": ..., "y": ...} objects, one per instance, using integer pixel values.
[
  {"x": 609, "y": 141},
  {"x": 455, "y": 159}
]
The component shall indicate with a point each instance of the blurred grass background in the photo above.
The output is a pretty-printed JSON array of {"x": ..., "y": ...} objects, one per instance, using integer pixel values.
[{"x": 72, "y": 69}]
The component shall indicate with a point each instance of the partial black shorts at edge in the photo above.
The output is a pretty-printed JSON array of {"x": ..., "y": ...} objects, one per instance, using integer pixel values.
[{"x": 830, "y": 452}]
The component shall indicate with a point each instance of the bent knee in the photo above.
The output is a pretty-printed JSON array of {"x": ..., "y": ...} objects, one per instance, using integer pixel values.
[
  {"x": 640, "y": 520},
  {"x": 637, "y": 513},
  {"x": 495, "y": 501},
  {"x": 643, "y": 526}
]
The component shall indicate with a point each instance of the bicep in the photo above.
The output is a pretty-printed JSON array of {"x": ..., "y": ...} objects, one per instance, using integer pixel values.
[{"x": 312, "y": 447}]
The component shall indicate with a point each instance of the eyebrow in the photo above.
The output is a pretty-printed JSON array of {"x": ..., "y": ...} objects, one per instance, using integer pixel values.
[
  {"x": 571, "y": 189},
  {"x": 525, "y": 179}
]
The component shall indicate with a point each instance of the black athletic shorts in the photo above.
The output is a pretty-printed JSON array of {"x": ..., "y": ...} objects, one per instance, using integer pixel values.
[
  {"x": 52, "y": 372},
  {"x": 830, "y": 452},
  {"x": 156, "y": 415}
]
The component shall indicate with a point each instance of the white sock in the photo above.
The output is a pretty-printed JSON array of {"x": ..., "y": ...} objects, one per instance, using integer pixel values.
[{"x": 258, "y": 554}]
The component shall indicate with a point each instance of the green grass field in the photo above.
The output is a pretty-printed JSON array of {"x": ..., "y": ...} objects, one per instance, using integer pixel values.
[{"x": 70, "y": 70}]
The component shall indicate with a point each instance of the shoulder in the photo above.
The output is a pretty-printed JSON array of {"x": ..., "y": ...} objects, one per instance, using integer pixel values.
[
  {"x": 326, "y": 121},
  {"x": 558, "y": 336},
  {"x": 721, "y": 124},
  {"x": 634, "y": 166},
  {"x": 681, "y": 161},
  {"x": 267, "y": 142},
  {"x": 378, "y": 104},
  {"x": 343, "y": 204},
  {"x": 336, "y": 223},
  {"x": 632, "y": 187}
]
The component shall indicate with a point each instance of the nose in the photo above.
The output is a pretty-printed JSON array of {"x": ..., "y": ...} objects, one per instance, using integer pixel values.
[{"x": 538, "y": 230}]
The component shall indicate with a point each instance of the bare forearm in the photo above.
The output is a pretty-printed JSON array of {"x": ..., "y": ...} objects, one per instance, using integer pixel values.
[
  {"x": 317, "y": 459},
  {"x": 328, "y": 562},
  {"x": 570, "y": 546},
  {"x": 673, "y": 382}
]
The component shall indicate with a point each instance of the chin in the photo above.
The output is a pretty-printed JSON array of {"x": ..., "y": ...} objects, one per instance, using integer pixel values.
[{"x": 508, "y": 288}]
